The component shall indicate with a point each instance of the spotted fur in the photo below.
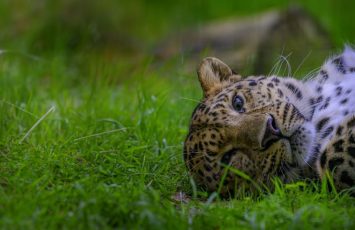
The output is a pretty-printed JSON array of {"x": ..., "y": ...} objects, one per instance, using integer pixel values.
[{"x": 266, "y": 127}]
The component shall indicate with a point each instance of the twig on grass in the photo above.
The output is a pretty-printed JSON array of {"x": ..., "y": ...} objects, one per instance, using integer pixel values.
[{"x": 37, "y": 123}]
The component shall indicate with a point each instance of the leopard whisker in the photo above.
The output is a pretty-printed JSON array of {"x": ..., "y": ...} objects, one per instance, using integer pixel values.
[
  {"x": 302, "y": 62},
  {"x": 193, "y": 100},
  {"x": 312, "y": 74},
  {"x": 274, "y": 67},
  {"x": 288, "y": 65}
]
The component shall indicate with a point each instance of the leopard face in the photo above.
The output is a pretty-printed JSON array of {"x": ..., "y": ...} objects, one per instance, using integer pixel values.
[{"x": 247, "y": 125}]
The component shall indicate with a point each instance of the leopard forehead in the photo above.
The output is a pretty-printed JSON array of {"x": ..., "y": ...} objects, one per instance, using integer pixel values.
[{"x": 256, "y": 92}]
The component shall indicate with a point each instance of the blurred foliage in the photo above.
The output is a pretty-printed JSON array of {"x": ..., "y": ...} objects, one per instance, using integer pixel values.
[{"x": 134, "y": 26}]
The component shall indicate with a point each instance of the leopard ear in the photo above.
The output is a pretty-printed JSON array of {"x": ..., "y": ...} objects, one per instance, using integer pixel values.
[{"x": 212, "y": 72}]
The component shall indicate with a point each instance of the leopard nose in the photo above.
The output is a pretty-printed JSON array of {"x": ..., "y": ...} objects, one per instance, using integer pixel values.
[{"x": 272, "y": 133}]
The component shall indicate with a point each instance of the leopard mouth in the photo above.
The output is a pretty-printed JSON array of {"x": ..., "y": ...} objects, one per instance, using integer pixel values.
[{"x": 272, "y": 142}]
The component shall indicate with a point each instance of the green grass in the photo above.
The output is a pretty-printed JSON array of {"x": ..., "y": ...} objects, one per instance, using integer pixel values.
[
  {"x": 95, "y": 141},
  {"x": 109, "y": 155}
]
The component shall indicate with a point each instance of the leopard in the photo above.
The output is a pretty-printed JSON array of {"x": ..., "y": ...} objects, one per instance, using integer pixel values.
[{"x": 247, "y": 131}]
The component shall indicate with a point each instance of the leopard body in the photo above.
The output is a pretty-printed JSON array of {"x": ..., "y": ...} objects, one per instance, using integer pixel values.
[{"x": 249, "y": 130}]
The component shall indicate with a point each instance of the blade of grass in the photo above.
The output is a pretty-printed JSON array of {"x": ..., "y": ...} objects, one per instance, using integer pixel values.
[{"x": 99, "y": 134}]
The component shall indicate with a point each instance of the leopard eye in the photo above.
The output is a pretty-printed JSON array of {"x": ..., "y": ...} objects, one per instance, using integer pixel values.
[{"x": 238, "y": 104}]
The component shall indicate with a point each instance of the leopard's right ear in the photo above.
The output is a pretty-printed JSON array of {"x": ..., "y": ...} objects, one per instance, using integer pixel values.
[{"x": 213, "y": 73}]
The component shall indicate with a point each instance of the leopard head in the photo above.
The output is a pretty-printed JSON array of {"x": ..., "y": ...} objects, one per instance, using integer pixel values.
[{"x": 244, "y": 126}]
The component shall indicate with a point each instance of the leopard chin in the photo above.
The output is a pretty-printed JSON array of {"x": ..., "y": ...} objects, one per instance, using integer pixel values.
[{"x": 302, "y": 144}]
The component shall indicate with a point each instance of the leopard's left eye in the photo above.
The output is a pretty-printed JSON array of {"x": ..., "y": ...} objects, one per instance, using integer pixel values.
[{"x": 238, "y": 104}]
